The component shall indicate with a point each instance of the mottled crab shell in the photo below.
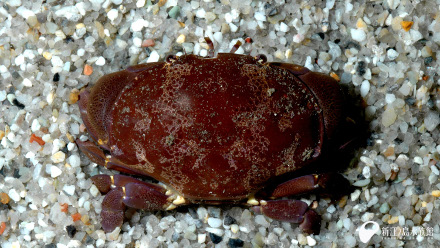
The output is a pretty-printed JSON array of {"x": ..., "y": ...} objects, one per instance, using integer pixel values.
[{"x": 214, "y": 128}]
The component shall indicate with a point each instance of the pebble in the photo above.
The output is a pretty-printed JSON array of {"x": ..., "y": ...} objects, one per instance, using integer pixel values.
[
  {"x": 215, "y": 238},
  {"x": 57, "y": 61},
  {"x": 101, "y": 61},
  {"x": 114, "y": 235},
  {"x": 426, "y": 51},
  {"x": 88, "y": 70},
  {"x": 210, "y": 17},
  {"x": 214, "y": 222},
  {"x": 233, "y": 243},
  {"x": 390, "y": 98},
  {"x": 261, "y": 220},
  {"x": 137, "y": 41},
  {"x": 201, "y": 13},
  {"x": 14, "y": 195},
  {"x": 180, "y": 39},
  {"x": 94, "y": 190},
  {"x": 392, "y": 54},
  {"x": 35, "y": 126},
  {"x": 112, "y": 14},
  {"x": 365, "y": 88},
  {"x": 138, "y": 25},
  {"x": 358, "y": 35},
  {"x": 366, "y": 172},
  {"x": 260, "y": 16},
  {"x": 4, "y": 198},
  {"x": 148, "y": 43},
  {"x": 298, "y": 38},
  {"x": 355, "y": 195},
  {"x": 431, "y": 120},
  {"x": 69, "y": 189},
  {"x": 302, "y": 239},
  {"x": 201, "y": 238},
  {"x": 393, "y": 220},
  {"x": 233, "y": 27},
  {"x": 140, "y": 3},
  {"x": 216, "y": 231},
  {"x": 284, "y": 28},
  {"x": 71, "y": 230},
  {"x": 351, "y": 241},
  {"x": 331, "y": 209},
  {"x": 389, "y": 116},
  {"x": 58, "y": 157},
  {"x": 154, "y": 57},
  {"x": 311, "y": 241},
  {"x": 27, "y": 82},
  {"x": 406, "y": 25},
  {"x": 229, "y": 220},
  {"x": 436, "y": 193},
  {"x": 55, "y": 171},
  {"x": 2, "y": 95},
  {"x": 174, "y": 12},
  {"x": 384, "y": 208},
  {"x": 235, "y": 228},
  {"x": 74, "y": 160},
  {"x": 362, "y": 183}
]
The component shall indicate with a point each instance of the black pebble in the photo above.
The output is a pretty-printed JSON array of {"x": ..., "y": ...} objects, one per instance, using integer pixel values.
[
  {"x": 235, "y": 243},
  {"x": 68, "y": 39},
  {"x": 71, "y": 231},
  {"x": 16, "y": 173},
  {"x": 410, "y": 101},
  {"x": 428, "y": 60},
  {"x": 215, "y": 239},
  {"x": 273, "y": 12},
  {"x": 229, "y": 220},
  {"x": 18, "y": 104},
  {"x": 50, "y": 246},
  {"x": 89, "y": 240},
  {"x": 361, "y": 68},
  {"x": 64, "y": 149},
  {"x": 419, "y": 190},
  {"x": 56, "y": 77}
]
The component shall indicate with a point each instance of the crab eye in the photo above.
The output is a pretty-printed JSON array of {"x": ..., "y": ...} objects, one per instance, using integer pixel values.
[
  {"x": 170, "y": 58},
  {"x": 261, "y": 58}
]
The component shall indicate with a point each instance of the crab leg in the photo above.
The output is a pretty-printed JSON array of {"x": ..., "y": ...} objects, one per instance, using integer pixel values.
[
  {"x": 333, "y": 184},
  {"x": 296, "y": 211},
  {"x": 235, "y": 47},
  {"x": 293, "y": 211},
  {"x": 211, "y": 47},
  {"x": 125, "y": 191}
]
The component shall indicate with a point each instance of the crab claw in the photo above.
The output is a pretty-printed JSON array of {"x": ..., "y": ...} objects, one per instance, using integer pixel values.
[
  {"x": 293, "y": 211},
  {"x": 113, "y": 208},
  {"x": 142, "y": 197},
  {"x": 125, "y": 191}
]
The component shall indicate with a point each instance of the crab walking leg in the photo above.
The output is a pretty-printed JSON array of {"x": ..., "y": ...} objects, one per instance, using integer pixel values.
[
  {"x": 293, "y": 211},
  {"x": 125, "y": 191},
  {"x": 332, "y": 184}
]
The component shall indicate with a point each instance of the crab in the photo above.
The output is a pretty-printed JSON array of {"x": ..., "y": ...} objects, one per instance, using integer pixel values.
[{"x": 219, "y": 129}]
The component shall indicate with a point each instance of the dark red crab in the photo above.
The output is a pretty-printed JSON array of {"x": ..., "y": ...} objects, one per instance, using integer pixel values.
[{"x": 212, "y": 130}]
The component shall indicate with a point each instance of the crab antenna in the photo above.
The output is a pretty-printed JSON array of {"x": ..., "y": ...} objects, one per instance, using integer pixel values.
[
  {"x": 236, "y": 46},
  {"x": 211, "y": 47}
]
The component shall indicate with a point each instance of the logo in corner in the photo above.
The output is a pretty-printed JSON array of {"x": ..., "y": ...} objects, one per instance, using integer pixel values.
[{"x": 367, "y": 230}]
